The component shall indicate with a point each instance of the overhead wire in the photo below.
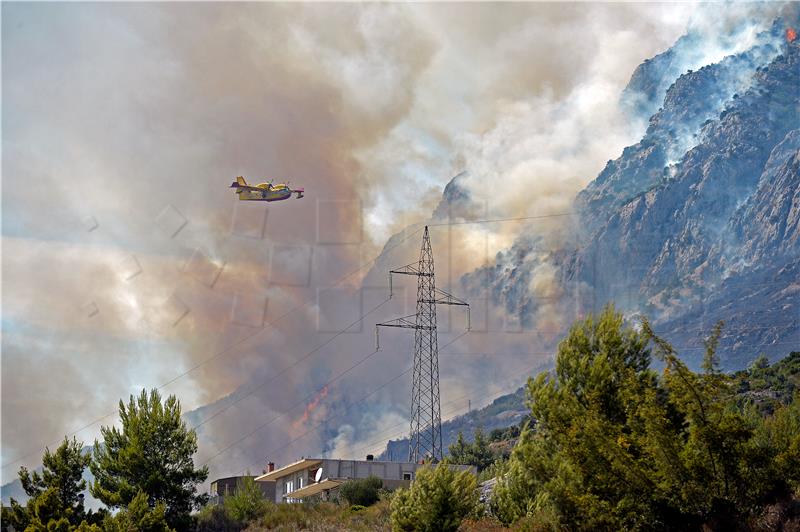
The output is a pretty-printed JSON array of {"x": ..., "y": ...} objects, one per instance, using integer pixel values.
[
  {"x": 505, "y": 390},
  {"x": 359, "y": 401},
  {"x": 498, "y": 220},
  {"x": 393, "y": 379},
  {"x": 307, "y": 301},
  {"x": 296, "y": 363},
  {"x": 231, "y": 347},
  {"x": 261, "y": 329},
  {"x": 303, "y": 401},
  {"x": 466, "y": 222},
  {"x": 405, "y": 422}
]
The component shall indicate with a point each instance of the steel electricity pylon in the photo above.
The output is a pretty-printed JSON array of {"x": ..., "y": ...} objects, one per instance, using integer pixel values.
[{"x": 426, "y": 414}]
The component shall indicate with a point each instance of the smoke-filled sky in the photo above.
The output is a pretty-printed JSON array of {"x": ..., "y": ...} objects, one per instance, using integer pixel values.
[{"x": 127, "y": 263}]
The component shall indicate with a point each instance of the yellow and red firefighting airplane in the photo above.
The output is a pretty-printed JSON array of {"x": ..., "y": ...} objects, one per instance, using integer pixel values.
[{"x": 264, "y": 191}]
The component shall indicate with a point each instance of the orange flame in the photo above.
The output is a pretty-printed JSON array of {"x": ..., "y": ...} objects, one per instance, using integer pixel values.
[
  {"x": 311, "y": 406},
  {"x": 791, "y": 35}
]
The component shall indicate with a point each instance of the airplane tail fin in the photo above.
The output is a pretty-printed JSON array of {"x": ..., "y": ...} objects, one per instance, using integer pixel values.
[{"x": 240, "y": 182}]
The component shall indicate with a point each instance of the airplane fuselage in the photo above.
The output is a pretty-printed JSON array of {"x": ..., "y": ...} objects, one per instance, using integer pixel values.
[{"x": 265, "y": 192}]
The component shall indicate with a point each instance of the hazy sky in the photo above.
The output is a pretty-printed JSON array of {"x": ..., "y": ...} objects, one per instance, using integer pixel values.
[{"x": 128, "y": 263}]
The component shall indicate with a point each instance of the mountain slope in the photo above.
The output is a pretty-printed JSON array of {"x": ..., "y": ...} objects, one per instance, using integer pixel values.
[
  {"x": 697, "y": 222},
  {"x": 677, "y": 244},
  {"x": 503, "y": 412}
]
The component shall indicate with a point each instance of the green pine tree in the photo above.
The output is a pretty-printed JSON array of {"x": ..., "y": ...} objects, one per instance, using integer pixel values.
[
  {"x": 152, "y": 454},
  {"x": 459, "y": 450},
  {"x": 55, "y": 500},
  {"x": 138, "y": 516},
  {"x": 618, "y": 446},
  {"x": 438, "y": 501},
  {"x": 476, "y": 453},
  {"x": 482, "y": 456}
]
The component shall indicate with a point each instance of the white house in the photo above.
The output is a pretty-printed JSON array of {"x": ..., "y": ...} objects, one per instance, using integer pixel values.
[{"x": 319, "y": 476}]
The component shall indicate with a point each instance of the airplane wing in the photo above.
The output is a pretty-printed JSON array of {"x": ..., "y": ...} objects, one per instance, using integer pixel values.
[{"x": 239, "y": 186}]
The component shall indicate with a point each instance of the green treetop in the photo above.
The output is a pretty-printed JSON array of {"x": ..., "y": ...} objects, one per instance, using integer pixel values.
[
  {"x": 476, "y": 453},
  {"x": 55, "y": 496},
  {"x": 151, "y": 454},
  {"x": 618, "y": 446}
]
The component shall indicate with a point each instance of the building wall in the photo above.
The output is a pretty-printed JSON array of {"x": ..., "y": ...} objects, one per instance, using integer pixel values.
[
  {"x": 292, "y": 482},
  {"x": 393, "y": 474},
  {"x": 223, "y": 487},
  {"x": 333, "y": 468}
]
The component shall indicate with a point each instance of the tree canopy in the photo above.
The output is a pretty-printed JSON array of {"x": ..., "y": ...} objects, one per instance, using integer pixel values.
[
  {"x": 138, "y": 516},
  {"x": 438, "y": 500},
  {"x": 55, "y": 495},
  {"x": 476, "y": 453},
  {"x": 619, "y": 446},
  {"x": 152, "y": 454}
]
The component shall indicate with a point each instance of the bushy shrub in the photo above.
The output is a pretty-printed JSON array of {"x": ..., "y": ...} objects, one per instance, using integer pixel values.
[
  {"x": 247, "y": 501},
  {"x": 215, "y": 518},
  {"x": 245, "y": 505},
  {"x": 620, "y": 446},
  {"x": 494, "y": 470},
  {"x": 362, "y": 491},
  {"x": 438, "y": 500}
]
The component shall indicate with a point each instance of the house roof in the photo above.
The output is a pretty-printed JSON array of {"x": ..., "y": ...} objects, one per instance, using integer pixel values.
[
  {"x": 305, "y": 463},
  {"x": 313, "y": 489}
]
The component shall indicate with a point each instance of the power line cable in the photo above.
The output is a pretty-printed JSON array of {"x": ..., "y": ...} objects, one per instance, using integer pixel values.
[
  {"x": 294, "y": 364},
  {"x": 229, "y": 348},
  {"x": 309, "y": 300},
  {"x": 364, "y": 398},
  {"x": 377, "y": 389},
  {"x": 538, "y": 365},
  {"x": 303, "y": 401},
  {"x": 498, "y": 220}
]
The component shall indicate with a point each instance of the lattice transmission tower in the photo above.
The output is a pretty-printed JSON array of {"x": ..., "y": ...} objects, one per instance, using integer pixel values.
[{"x": 426, "y": 414}]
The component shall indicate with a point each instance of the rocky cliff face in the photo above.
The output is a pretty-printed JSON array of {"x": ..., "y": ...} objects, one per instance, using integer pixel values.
[
  {"x": 714, "y": 236},
  {"x": 700, "y": 220},
  {"x": 691, "y": 101}
]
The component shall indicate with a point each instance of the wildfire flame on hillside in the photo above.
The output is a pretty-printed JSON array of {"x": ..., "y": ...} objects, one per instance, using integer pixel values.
[
  {"x": 791, "y": 35},
  {"x": 311, "y": 406}
]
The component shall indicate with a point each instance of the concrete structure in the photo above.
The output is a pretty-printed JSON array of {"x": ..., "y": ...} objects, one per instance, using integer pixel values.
[
  {"x": 319, "y": 477},
  {"x": 223, "y": 487}
]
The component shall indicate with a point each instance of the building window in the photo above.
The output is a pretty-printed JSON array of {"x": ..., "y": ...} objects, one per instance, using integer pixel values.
[{"x": 406, "y": 476}]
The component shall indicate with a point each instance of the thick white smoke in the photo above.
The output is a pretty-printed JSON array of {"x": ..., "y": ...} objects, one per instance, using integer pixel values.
[{"x": 128, "y": 262}]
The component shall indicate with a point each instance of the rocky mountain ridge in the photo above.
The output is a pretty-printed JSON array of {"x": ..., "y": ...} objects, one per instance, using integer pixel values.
[{"x": 698, "y": 221}]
